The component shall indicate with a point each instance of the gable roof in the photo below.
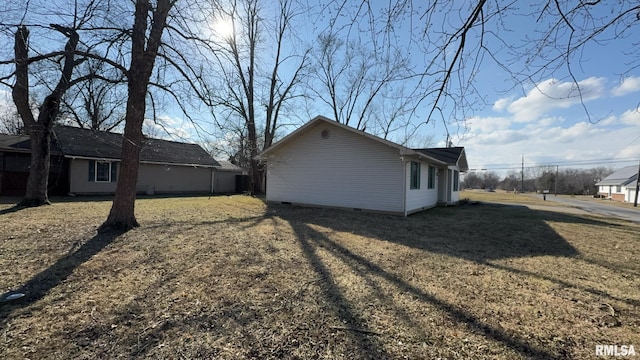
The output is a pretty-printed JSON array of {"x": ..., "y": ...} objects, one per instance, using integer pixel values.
[
  {"x": 228, "y": 166},
  {"x": 454, "y": 156},
  {"x": 404, "y": 151},
  {"x": 622, "y": 177},
  {"x": 86, "y": 143},
  {"x": 14, "y": 142},
  {"x": 22, "y": 144}
]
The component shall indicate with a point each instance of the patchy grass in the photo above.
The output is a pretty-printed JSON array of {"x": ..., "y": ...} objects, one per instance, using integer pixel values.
[{"x": 229, "y": 278}]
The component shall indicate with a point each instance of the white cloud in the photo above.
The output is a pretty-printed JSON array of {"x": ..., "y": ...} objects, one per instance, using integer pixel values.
[
  {"x": 6, "y": 103},
  {"x": 501, "y": 104},
  {"x": 488, "y": 124},
  {"x": 608, "y": 121},
  {"x": 575, "y": 133},
  {"x": 553, "y": 94},
  {"x": 533, "y": 126},
  {"x": 629, "y": 84},
  {"x": 167, "y": 128},
  {"x": 631, "y": 151},
  {"x": 630, "y": 117}
]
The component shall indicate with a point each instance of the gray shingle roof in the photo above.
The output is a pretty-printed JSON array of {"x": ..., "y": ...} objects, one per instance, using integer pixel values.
[
  {"x": 227, "y": 166},
  {"x": 450, "y": 155},
  {"x": 622, "y": 177},
  {"x": 14, "y": 142},
  {"x": 22, "y": 143},
  {"x": 106, "y": 145}
]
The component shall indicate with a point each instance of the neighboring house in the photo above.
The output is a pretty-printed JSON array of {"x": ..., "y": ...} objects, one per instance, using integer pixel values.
[
  {"x": 230, "y": 178},
  {"x": 15, "y": 161},
  {"x": 325, "y": 163},
  {"x": 621, "y": 185},
  {"x": 89, "y": 162}
]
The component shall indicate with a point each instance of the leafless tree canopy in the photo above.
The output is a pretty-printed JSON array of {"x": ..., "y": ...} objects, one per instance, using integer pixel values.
[
  {"x": 258, "y": 75},
  {"x": 451, "y": 42}
]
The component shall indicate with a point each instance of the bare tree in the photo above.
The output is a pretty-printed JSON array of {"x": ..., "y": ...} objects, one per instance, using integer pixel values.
[
  {"x": 50, "y": 72},
  {"x": 10, "y": 123},
  {"x": 242, "y": 79},
  {"x": 145, "y": 42},
  {"x": 39, "y": 129},
  {"x": 530, "y": 42},
  {"x": 99, "y": 102},
  {"x": 357, "y": 83}
]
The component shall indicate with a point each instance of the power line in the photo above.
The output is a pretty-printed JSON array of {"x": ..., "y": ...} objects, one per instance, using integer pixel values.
[{"x": 565, "y": 163}]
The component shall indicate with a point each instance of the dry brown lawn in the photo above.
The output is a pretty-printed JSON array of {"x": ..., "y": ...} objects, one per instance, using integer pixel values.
[{"x": 232, "y": 278}]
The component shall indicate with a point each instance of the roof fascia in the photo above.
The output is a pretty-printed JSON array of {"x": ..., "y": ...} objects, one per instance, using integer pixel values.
[
  {"x": 73, "y": 157},
  {"x": 404, "y": 151}
]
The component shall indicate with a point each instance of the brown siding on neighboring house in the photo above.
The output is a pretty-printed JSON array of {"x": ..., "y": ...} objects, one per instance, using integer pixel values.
[
  {"x": 617, "y": 197},
  {"x": 173, "y": 179},
  {"x": 152, "y": 179}
]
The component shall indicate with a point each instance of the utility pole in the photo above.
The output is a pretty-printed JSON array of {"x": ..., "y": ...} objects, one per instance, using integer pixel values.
[
  {"x": 522, "y": 176},
  {"x": 635, "y": 202},
  {"x": 556, "y": 185}
]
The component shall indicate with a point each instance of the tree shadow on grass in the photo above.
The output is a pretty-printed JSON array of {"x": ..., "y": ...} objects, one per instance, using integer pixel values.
[
  {"x": 482, "y": 235},
  {"x": 42, "y": 283},
  {"x": 311, "y": 240},
  {"x": 478, "y": 234},
  {"x": 13, "y": 209}
]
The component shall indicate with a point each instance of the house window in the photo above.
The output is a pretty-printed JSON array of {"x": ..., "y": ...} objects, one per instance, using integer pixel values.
[
  {"x": 618, "y": 189},
  {"x": 102, "y": 171},
  {"x": 456, "y": 180},
  {"x": 415, "y": 175},
  {"x": 431, "y": 180}
]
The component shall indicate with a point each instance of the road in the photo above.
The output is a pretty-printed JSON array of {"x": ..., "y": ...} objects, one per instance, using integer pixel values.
[{"x": 599, "y": 207}]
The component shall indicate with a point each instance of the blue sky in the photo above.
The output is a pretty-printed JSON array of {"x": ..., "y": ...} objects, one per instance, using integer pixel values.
[
  {"x": 546, "y": 121},
  {"x": 541, "y": 118}
]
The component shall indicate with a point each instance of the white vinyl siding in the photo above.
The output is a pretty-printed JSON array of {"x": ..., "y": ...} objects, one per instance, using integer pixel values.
[
  {"x": 424, "y": 197},
  {"x": 341, "y": 169}
]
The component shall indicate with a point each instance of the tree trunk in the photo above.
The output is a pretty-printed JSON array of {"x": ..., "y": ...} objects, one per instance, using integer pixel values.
[
  {"x": 122, "y": 214},
  {"x": 40, "y": 131},
  {"x": 143, "y": 56},
  {"x": 39, "y": 170}
]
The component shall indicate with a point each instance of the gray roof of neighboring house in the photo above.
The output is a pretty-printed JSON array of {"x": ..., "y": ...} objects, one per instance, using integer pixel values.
[
  {"x": 14, "y": 142},
  {"x": 450, "y": 155},
  {"x": 77, "y": 142},
  {"x": 227, "y": 166},
  {"x": 21, "y": 143},
  {"x": 622, "y": 177}
]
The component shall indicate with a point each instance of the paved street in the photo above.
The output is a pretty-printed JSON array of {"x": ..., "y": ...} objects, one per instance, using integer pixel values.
[{"x": 598, "y": 207}]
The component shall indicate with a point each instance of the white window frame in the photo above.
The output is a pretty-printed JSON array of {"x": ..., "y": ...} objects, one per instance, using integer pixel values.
[
  {"x": 95, "y": 171},
  {"x": 414, "y": 177}
]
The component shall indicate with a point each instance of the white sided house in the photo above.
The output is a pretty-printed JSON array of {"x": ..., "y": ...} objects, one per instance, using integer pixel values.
[
  {"x": 325, "y": 163},
  {"x": 621, "y": 185}
]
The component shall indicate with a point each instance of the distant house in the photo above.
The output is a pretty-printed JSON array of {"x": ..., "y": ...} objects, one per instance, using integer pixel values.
[
  {"x": 15, "y": 160},
  {"x": 88, "y": 162},
  {"x": 621, "y": 185},
  {"x": 325, "y": 163},
  {"x": 230, "y": 178}
]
